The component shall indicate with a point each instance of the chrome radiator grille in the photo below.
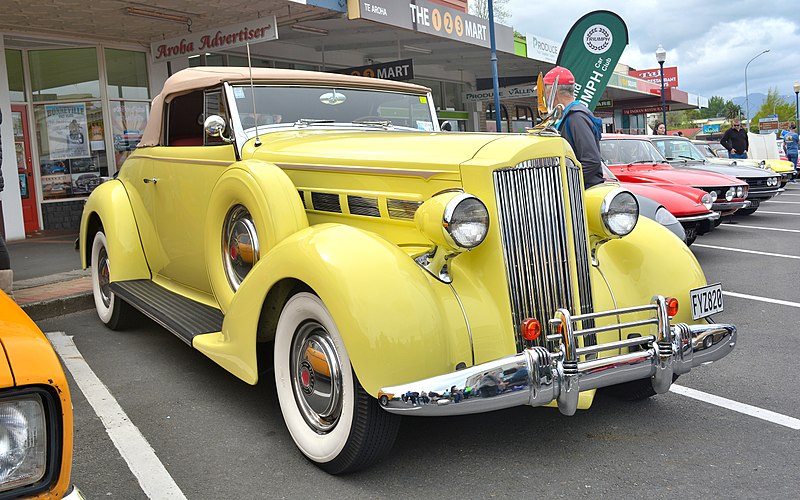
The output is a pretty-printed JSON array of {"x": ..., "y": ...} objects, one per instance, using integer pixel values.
[{"x": 533, "y": 216}]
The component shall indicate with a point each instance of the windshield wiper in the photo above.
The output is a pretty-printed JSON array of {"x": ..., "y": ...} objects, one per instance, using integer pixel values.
[
  {"x": 641, "y": 161},
  {"x": 307, "y": 122},
  {"x": 374, "y": 123},
  {"x": 687, "y": 157}
]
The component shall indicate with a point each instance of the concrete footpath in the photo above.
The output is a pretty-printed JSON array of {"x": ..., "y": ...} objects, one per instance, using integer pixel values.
[{"x": 48, "y": 279}]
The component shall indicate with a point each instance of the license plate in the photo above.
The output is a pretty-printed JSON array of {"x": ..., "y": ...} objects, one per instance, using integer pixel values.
[{"x": 706, "y": 300}]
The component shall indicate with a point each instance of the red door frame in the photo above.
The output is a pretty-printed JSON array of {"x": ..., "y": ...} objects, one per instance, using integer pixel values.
[{"x": 30, "y": 209}]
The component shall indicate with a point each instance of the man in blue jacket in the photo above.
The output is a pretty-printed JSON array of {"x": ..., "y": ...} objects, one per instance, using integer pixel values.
[
  {"x": 790, "y": 144},
  {"x": 578, "y": 125}
]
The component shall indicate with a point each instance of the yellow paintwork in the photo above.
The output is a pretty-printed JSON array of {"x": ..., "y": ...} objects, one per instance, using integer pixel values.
[
  {"x": 30, "y": 358},
  {"x": 779, "y": 166},
  {"x": 398, "y": 322}
]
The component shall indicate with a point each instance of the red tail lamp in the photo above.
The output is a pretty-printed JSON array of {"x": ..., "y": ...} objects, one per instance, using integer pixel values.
[
  {"x": 531, "y": 329},
  {"x": 672, "y": 306}
]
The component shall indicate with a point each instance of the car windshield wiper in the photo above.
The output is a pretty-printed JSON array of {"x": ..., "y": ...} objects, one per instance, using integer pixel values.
[
  {"x": 672, "y": 158},
  {"x": 307, "y": 122},
  {"x": 641, "y": 161},
  {"x": 687, "y": 157},
  {"x": 374, "y": 123}
]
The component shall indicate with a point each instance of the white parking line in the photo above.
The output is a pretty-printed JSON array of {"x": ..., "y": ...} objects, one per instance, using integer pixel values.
[
  {"x": 153, "y": 478},
  {"x": 765, "y": 228},
  {"x": 761, "y": 299},
  {"x": 741, "y": 250},
  {"x": 776, "y": 213},
  {"x": 791, "y": 202},
  {"x": 753, "y": 411}
]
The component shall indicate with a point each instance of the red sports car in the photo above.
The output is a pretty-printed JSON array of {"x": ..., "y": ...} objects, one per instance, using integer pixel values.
[
  {"x": 634, "y": 159},
  {"x": 691, "y": 207}
]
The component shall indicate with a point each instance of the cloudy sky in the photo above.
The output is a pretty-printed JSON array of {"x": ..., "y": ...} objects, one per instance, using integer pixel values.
[{"x": 709, "y": 42}]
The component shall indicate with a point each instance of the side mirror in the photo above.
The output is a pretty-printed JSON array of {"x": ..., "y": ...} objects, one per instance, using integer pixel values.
[{"x": 215, "y": 126}]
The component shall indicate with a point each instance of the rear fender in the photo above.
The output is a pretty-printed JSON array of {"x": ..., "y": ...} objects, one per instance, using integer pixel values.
[{"x": 398, "y": 323}]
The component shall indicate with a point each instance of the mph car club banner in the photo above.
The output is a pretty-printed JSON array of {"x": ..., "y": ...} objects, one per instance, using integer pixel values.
[{"x": 591, "y": 50}]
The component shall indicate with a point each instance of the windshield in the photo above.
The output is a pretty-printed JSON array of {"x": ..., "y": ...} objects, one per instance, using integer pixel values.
[
  {"x": 677, "y": 149},
  {"x": 626, "y": 151},
  {"x": 286, "y": 106},
  {"x": 706, "y": 151}
]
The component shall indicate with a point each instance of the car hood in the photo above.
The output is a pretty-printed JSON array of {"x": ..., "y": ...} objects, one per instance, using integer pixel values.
[
  {"x": 668, "y": 175},
  {"x": 680, "y": 200},
  {"x": 431, "y": 153},
  {"x": 735, "y": 162},
  {"x": 27, "y": 352},
  {"x": 731, "y": 170}
]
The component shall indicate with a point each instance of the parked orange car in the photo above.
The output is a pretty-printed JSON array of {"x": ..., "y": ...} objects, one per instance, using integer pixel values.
[{"x": 35, "y": 412}]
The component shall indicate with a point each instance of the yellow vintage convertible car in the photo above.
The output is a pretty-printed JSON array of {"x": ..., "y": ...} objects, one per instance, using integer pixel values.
[
  {"x": 35, "y": 412},
  {"x": 327, "y": 217}
]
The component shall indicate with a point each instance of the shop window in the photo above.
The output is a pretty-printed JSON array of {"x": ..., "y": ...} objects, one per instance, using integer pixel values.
[
  {"x": 64, "y": 74},
  {"x": 16, "y": 78},
  {"x": 72, "y": 155},
  {"x": 128, "y": 119},
  {"x": 127, "y": 74},
  {"x": 452, "y": 96}
]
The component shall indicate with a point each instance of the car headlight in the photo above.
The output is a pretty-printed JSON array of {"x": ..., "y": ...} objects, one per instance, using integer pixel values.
[
  {"x": 707, "y": 201},
  {"x": 713, "y": 195},
  {"x": 456, "y": 221},
  {"x": 620, "y": 212},
  {"x": 23, "y": 441},
  {"x": 740, "y": 192},
  {"x": 730, "y": 193},
  {"x": 665, "y": 217}
]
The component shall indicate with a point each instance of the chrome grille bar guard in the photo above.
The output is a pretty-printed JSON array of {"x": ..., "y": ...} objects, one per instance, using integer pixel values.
[{"x": 537, "y": 376}]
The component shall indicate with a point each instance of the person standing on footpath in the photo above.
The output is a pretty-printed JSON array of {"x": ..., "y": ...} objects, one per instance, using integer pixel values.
[
  {"x": 578, "y": 125},
  {"x": 735, "y": 141},
  {"x": 790, "y": 144},
  {"x": 6, "y": 274}
]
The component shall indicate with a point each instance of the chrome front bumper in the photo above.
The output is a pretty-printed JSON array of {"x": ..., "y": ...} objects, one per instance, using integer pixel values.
[
  {"x": 539, "y": 376},
  {"x": 697, "y": 218}
]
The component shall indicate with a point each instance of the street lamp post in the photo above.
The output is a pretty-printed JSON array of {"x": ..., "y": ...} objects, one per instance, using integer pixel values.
[
  {"x": 493, "y": 58},
  {"x": 746, "y": 94},
  {"x": 661, "y": 56},
  {"x": 796, "y": 106}
]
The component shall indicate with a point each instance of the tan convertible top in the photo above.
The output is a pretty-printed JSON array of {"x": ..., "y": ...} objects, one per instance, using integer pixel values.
[{"x": 210, "y": 76}]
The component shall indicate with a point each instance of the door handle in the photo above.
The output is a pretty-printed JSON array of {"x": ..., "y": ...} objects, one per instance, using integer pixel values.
[{"x": 153, "y": 180}]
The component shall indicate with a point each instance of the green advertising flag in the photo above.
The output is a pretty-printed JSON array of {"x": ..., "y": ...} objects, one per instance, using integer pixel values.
[{"x": 591, "y": 51}]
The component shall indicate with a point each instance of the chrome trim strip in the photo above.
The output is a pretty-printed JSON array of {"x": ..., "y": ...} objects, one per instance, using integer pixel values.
[
  {"x": 729, "y": 205},
  {"x": 694, "y": 218},
  {"x": 537, "y": 376},
  {"x": 185, "y": 160},
  {"x": 354, "y": 169},
  {"x": 466, "y": 320}
]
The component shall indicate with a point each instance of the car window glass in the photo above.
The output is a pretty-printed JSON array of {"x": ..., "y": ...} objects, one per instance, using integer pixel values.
[
  {"x": 185, "y": 120},
  {"x": 215, "y": 105}
]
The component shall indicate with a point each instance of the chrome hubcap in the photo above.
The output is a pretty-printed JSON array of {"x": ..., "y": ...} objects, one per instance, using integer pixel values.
[
  {"x": 316, "y": 377},
  {"x": 240, "y": 247},
  {"x": 103, "y": 280}
]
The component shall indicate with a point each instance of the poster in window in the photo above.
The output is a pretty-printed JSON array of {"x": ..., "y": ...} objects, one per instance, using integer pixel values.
[{"x": 67, "y": 133}]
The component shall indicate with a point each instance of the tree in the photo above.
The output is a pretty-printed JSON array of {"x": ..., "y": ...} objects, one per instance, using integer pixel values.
[
  {"x": 773, "y": 104},
  {"x": 480, "y": 8}
]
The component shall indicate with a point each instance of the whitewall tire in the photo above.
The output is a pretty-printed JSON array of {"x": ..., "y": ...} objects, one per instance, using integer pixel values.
[{"x": 113, "y": 311}]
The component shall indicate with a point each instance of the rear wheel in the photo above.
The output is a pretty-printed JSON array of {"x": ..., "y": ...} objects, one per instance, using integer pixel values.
[
  {"x": 330, "y": 417},
  {"x": 113, "y": 311}
]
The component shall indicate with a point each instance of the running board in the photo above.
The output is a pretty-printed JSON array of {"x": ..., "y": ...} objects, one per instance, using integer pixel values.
[{"x": 182, "y": 316}]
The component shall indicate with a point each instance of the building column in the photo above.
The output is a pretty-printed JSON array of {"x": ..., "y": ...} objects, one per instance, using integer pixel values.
[{"x": 10, "y": 199}]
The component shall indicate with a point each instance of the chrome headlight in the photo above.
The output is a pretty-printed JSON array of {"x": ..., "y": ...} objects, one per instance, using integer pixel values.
[
  {"x": 707, "y": 201},
  {"x": 620, "y": 212},
  {"x": 730, "y": 193},
  {"x": 713, "y": 195},
  {"x": 466, "y": 221},
  {"x": 740, "y": 192},
  {"x": 665, "y": 217},
  {"x": 23, "y": 441},
  {"x": 453, "y": 221}
]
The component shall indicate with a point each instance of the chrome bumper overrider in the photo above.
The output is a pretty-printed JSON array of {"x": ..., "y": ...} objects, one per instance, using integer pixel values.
[{"x": 537, "y": 376}]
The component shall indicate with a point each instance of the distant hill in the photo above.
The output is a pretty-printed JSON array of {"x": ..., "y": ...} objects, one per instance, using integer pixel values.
[{"x": 756, "y": 100}]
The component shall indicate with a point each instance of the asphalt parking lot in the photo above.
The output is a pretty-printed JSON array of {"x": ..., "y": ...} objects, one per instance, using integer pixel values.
[{"x": 173, "y": 424}]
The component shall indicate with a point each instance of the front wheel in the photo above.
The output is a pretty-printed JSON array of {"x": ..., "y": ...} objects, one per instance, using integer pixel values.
[
  {"x": 746, "y": 211},
  {"x": 113, "y": 311},
  {"x": 330, "y": 417}
]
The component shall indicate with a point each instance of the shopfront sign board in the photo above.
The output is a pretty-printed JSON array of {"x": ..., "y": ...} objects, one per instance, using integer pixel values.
[
  {"x": 542, "y": 49},
  {"x": 521, "y": 91},
  {"x": 395, "y": 70},
  {"x": 227, "y": 37},
  {"x": 654, "y": 76},
  {"x": 642, "y": 111},
  {"x": 434, "y": 19}
]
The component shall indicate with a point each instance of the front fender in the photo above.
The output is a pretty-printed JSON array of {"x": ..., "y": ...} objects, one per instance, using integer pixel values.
[
  {"x": 396, "y": 320},
  {"x": 647, "y": 262},
  {"x": 110, "y": 207}
]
